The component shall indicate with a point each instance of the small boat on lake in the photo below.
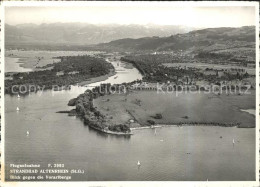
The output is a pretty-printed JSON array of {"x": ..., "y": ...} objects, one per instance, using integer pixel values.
[
  {"x": 116, "y": 77},
  {"x": 27, "y": 133},
  {"x": 17, "y": 109},
  {"x": 18, "y": 96},
  {"x": 138, "y": 163}
]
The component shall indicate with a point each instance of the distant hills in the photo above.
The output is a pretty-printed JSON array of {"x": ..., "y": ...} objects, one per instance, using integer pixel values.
[
  {"x": 232, "y": 44},
  {"x": 205, "y": 39},
  {"x": 83, "y": 33},
  {"x": 222, "y": 44}
]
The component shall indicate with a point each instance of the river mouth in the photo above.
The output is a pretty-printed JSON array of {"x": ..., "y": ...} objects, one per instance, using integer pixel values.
[{"x": 170, "y": 154}]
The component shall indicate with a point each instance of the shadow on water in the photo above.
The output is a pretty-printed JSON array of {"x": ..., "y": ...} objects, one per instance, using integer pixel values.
[{"x": 105, "y": 135}]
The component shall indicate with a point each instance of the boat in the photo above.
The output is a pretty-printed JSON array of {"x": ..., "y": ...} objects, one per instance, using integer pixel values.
[
  {"x": 138, "y": 163},
  {"x": 233, "y": 141},
  {"x": 18, "y": 96},
  {"x": 115, "y": 77},
  {"x": 155, "y": 132},
  {"x": 17, "y": 109},
  {"x": 27, "y": 133}
]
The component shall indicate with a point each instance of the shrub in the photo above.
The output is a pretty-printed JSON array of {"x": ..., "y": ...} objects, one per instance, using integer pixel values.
[
  {"x": 119, "y": 128},
  {"x": 151, "y": 122}
]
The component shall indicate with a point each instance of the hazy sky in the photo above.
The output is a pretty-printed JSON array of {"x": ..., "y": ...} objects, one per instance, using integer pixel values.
[{"x": 164, "y": 15}]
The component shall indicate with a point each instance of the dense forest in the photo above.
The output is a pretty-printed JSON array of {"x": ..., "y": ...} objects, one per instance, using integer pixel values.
[{"x": 153, "y": 69}]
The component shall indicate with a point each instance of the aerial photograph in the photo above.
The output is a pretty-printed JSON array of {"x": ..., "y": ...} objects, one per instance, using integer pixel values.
[{"x": 129, "y": 92}]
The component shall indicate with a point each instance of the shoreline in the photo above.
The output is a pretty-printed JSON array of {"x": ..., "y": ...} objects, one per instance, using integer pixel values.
[
  {"x": 249, "y": 111},
  {"x": 95, "y": 118},
  {"x": 92, "y": 117},
  {"x": 20, "y": 64},
  {"x": 84, "y": 83},
  {"x": 185, "y": 125},
  {"x": 110, "y": 132},
  {"x": 178, "y": 124},
  {"x": 25, "y": 59},
  {"x": 97, "y": 79},
  {"x": 142, "y": 117},
  {"x": 82, "y": 78},
  {"x": 174, "y": 125}
]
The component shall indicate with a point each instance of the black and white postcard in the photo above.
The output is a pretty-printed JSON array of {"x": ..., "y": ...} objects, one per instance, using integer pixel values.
[{"x": 122, "y": 93}]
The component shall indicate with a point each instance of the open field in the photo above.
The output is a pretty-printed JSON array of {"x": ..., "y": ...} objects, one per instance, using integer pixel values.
[
  {"x": 141, "y": 106},
  {"x": 203, "y": 66}
]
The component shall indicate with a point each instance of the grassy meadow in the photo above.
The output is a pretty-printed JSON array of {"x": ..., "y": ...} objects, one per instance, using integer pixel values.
[{"x": 184, "y": 108}]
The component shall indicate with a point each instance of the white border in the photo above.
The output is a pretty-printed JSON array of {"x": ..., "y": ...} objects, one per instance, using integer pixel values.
[
  {"x": 257, "y": 91},
  {"x": 2, "y": 89},
  {"x": 129, "y": 4}
]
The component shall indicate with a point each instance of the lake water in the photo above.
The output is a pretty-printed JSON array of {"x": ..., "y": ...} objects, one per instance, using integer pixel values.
[
  {"x": 173, "y": 154},
  {"x": 34, "y": 58},
  {"x": 12, "y": 65},
  {"x": 250, "y": 111}
]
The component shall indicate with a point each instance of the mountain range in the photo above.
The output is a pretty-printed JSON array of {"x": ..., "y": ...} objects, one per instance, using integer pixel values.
[
  {"x": 232, "y": 44},
  {"x": 206, "y": 39},
  {"x": 225, "y": 43},
  {"x": 84, "y": 33}
]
